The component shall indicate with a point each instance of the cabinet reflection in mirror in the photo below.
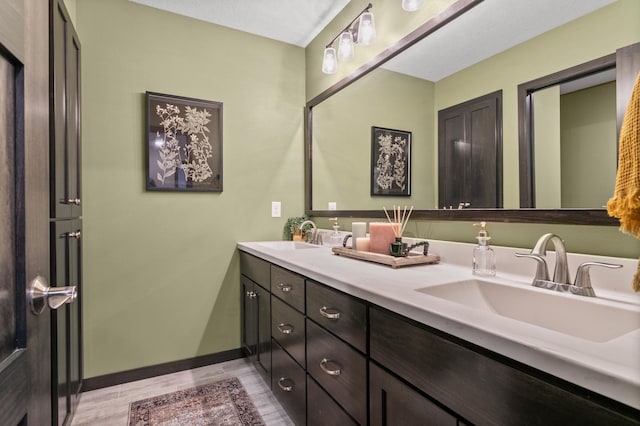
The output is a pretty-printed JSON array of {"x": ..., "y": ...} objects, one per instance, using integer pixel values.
[{"x": 389, "y": 97}]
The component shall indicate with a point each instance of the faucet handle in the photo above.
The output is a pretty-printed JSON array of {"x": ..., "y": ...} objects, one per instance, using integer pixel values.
[
  {"x": 582, "y": 284},
  {"x": 542, "y": 272}
]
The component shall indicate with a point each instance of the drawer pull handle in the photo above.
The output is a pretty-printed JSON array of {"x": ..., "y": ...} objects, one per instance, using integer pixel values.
[
  {"x": 252, "y": 294},
  {"x": 285, "y": 288},
  {"x": 323, "y": 365},
  {"x": 324, "y": 311},
  {"x": 285, "y": 328},
  {"x": 285, "y": 387}
]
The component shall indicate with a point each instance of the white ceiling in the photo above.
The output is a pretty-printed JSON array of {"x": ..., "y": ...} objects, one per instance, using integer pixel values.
[
  {"x": 489, "y": 28},
  {"x": 295, "y": 22}
]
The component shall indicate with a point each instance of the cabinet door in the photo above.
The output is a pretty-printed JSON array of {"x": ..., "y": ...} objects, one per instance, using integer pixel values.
[
  {"x": 391, "y": 402},
  {"x": 65, "y": 115},
  {"x": 470, "y": 153},
  {"x": 263, "y": 349},
  {"x": 249, "y": 317},
  {"x": 322, "y": 410},
  {"x": 66, "y": 270}
]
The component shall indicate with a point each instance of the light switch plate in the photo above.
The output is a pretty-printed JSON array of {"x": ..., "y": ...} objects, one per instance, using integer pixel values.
[
  {"x": 276, "y": 209},
  {"x": 332, "y": 205}
]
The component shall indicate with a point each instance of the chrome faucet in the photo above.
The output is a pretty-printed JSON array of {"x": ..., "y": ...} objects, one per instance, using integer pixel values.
[
  {"x": 316, "y": 237},
  {"x": 561, "y": 271},
  {"x": 561, "y": 280}
]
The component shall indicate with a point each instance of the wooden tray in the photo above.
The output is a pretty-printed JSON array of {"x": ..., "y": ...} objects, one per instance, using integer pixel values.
[{"x": 385, "y": 259}]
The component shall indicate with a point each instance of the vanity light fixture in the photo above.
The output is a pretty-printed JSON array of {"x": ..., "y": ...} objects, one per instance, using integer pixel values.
[
  {"x": 412, "y": 5},
  {"x": 361, "y": 30}
]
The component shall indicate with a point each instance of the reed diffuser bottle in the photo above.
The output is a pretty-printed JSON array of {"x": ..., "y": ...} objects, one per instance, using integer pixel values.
[{"x": 484, "y": 258}]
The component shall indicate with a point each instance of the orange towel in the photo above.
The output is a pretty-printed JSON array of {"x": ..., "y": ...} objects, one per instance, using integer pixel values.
[{"x": 625, "y": 204}]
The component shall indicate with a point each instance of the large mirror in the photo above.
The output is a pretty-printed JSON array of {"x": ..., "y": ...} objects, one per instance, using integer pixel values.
[{"x": 514, "y": 42}]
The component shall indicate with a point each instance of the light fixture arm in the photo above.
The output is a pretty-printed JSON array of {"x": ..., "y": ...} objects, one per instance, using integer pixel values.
[{"x": 348, "y": 27}]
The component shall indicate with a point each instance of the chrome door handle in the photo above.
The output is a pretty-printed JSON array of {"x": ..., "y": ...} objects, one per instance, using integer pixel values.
[
  {"x": 285, "y": 328},
  {"x": 285, "y": 288},
  {"x": 284, "y": 387},
  {"x": 335, "y": 372},
  {"x": 330, "y": 315},
  {"x": 41, "y": 295}
]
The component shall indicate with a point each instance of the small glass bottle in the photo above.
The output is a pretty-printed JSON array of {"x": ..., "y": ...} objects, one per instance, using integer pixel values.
[
  {"x": 484, "y": 258},
  {"x": 335, "y": 239}
]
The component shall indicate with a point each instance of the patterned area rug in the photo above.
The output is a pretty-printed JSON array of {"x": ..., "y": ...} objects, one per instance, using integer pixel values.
[{"x": 221, "y": 403}]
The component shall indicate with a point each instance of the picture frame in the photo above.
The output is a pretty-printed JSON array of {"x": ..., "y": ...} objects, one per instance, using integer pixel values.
[
  {"x": 184, "y": 144},
  {"x": 390, "y": 162}
]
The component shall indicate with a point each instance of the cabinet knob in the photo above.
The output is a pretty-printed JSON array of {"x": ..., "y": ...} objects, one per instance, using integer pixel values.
[
  {"x": 74, "y": 234},
  {"x": 285, "y": 384},
  {"x": 326, "y": 369},
  {"x": 285, "y": 328},
  {"x": 329, "y": 313},
  {"x": 252, "y": 294},
  {"x": 285, "y": 288}
]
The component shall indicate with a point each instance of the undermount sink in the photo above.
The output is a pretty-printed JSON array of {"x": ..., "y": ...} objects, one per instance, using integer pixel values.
[
  {"x": 587, "y": 318},
  {"x": 287, "y": 245}
]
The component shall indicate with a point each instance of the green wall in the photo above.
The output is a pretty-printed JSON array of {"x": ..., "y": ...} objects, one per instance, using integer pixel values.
[
  {"x": 161, "y": 272},
  {"x": 588, "y": 119},
  {"x": 584, "y": 39}
]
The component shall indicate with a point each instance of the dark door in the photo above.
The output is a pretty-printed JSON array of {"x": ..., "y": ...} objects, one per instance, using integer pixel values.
[
  {"x": 25, "y": 379},
  {"x": 470, "y": 154}
]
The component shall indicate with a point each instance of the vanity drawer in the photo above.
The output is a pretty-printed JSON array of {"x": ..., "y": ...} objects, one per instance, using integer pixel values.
[
  {"x": 288, "y": 383},
  {"x": 339, "y": 369},
  {"x": 322, "y": 410},
  {"x": 287, "y": 327},
  {"x": 256, "y": 269},
  {"x": 288, "y": 287},
  {"x": 339, "y": 313}
]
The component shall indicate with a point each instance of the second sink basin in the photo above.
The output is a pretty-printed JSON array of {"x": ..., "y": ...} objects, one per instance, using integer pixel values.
[
  {"x": 587, "y": 318},
  {"x": 287, "y": 245}
]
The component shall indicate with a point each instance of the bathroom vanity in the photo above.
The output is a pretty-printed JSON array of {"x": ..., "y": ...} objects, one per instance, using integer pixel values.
[{"x": 342, "y": 341}]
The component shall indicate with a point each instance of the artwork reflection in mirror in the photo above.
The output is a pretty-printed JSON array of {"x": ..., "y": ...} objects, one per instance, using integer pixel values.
[{"x": 390, "y": 162}]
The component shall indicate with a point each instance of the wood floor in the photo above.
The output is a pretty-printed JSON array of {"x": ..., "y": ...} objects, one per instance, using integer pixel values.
[{"x": 110, "y": 406}]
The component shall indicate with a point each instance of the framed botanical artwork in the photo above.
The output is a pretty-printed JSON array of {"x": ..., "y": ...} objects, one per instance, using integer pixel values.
[
  {"x": 390, "y": 162},
  {"x": 184, "y": 144}
]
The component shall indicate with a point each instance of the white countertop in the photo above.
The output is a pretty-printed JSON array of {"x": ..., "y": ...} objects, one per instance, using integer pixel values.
[{"x": 610, "y": 368}]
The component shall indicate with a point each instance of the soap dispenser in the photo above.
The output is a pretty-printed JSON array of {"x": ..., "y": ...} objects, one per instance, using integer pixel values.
[
  {"x": 484, "y": 258},
  {"x": 335, "y": 239}
]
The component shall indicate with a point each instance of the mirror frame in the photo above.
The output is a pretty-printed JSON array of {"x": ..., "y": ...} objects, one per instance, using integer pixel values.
[{"x": 522, "y": 215}]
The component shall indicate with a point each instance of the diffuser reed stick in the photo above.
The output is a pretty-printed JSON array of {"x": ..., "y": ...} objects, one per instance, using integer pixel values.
[{"x": 400, "y": 219}]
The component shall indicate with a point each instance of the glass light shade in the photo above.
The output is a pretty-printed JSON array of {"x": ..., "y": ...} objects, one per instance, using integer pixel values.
[
  {"x": 412, "y": 5},
  {"x": 345, "y": 46},
  {"x": 329, "y": 61},
  {"x": 366, "y": 29}
]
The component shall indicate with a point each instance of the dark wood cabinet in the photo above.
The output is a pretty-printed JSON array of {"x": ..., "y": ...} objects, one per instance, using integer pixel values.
[
  {"x": 65, "y": 210},
  {"x": 362, "y": 364},
  {"x": 288, "y": 329},
  {"x": 322, "y": 410},
  {"x": 66, "y": 324},
  {"x": 341, "y": 314},
  {"x": 478, "y": 386},
  {"x": 470, "y": 153},
  {"x": 65, "y": 142},
  {"x": 339, "y": 369},
  {"x": 288, "y": 383},
  {"x": 392, "y": 401},
  {"x": 256, "y": 326}
]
